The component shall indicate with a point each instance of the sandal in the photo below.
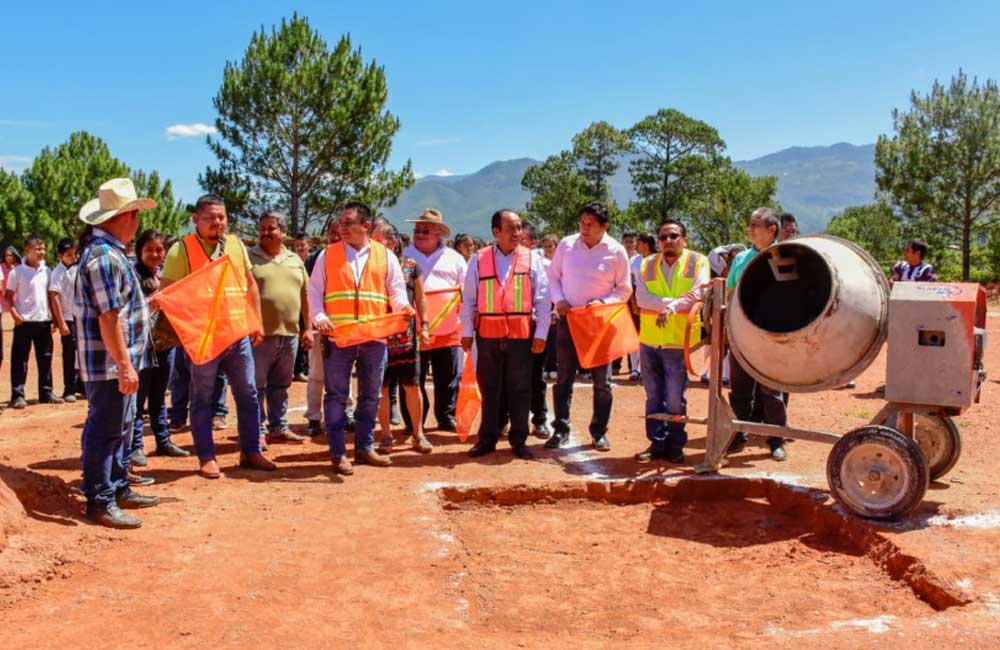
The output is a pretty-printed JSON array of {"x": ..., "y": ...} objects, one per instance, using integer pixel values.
[{"x": 385, "y": 446}]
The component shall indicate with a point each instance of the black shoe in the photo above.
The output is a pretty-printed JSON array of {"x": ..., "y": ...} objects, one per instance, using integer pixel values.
[
  {"x": 138, "y": 458},
  {"x": 557, "y": 440},
  {"x": 176, "y": 426},
  {"x": 18, "y": 403},
  {"x": 522, "y": 452},
  {"x": 602, "y": 444},
  {"x": 315, "y": 428},
  {"x": 738, "y": 444},
  {"x": 479, "y": 449},
  {"x": 541, "y": 430},
  {"x": 113, "y": 517},
  {"x": 170, "y": 449},
  {"x": 350, "y": 424},
  {"x": 135, "y": 479},
  {"x": 676, "y": 456},
  {"x": 650, "y": 454},
  {"x": 448, "y": 425},
  {"x": 133, "y": 500}
]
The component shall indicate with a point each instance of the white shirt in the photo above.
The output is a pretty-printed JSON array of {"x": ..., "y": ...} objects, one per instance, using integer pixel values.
[
  {"x": 579, "y": 274},
  {"x": 61, "y": 281},
  {"x": 679, "y": 305},
  {"x": 357, "y": 259},
  {"x": 443, "y": 268},
  {"x": 633, "y": 266},
  {"x": 539, "y": 289},
  {"x": 31, "y": 289}
]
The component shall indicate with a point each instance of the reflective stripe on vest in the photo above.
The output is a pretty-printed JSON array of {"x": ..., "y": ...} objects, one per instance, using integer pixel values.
[
  {"x": 503, "y": 309},
  {"x": 348, "y": 300},
  {"x": 671, "y": 335}
]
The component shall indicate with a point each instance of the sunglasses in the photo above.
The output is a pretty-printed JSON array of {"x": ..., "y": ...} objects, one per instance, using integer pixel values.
[{"x": 672, "y": 236}]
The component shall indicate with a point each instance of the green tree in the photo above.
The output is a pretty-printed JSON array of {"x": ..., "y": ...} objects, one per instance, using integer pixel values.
[
  {"x": 15, "y": 210},
  {"x": 942, "y": 165},
  {"x": 170, "y": 214},
  {"x": 676, "y": 156},
  {"x": 558, "y": 189},
  {"x": 598, "y": 150},
  {"x": 873, "y": 227},
  {"x": 719, "y": 216},
  {"x": 306, "y": 125}
]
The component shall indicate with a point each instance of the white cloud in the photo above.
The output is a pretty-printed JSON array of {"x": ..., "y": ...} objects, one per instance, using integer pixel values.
[
  {"x": 434, "y": 142},
  {"x": 442, "y": 172},
  {"x": 188, "y": 130},
  {"x": 12, "y": 162}
]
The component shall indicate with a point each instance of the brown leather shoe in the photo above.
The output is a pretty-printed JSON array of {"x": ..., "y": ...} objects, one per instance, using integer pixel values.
[
  {"x": 219, "y": 423},
  {"x": 257, "y": 461},
  {"x": 284, "y": 436},
  {"x": 343, "y": 466},
  {"x": 371, "y": 458},
  {"x": 210, "y": 469}
]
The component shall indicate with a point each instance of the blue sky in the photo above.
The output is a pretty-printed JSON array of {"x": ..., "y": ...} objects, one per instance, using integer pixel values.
[{"x": 477, "y": 82}]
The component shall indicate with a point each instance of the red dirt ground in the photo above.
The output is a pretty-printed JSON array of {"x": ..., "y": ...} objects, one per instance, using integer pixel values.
[{"x": 303, "y": 559}]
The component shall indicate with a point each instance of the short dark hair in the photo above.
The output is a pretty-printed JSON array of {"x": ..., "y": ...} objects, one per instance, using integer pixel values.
[
  {"x": 629, "y": 233},
  {"x": 64, "y": 245},
  {"x": 301, "y": 235},
  {"x": 208, "y": 199},
  {"x": 918, "y": 246},
  {"x": 361, "y": 209},
  {"x": 148, "y": 235},
  {"x": 277, "y": 216},
  {"x": 528, "y": 229},
  {"x": 650, "y": 240},
  {"x": 33, "y": 239},
  {"x": 596, "y": 209},
  {"x": 497, "y": 217},
  {"x": 672, "y": 222},
  {"x": 478, "y": 242},
  {"x": 787, "y": 217}
]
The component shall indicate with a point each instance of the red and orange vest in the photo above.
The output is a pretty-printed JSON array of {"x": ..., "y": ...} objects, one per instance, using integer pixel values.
[{"x": 504, "y": 308}]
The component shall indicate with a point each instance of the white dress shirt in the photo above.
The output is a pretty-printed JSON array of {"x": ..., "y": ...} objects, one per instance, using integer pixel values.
[
  {"x": 61, "y": 281},
  {"x": 31, "y": 291},
  {"x": 443, "y": 268},
  {"x": 682, "y": 303},
  {"x": 357, "y": 259},
  {"x": 504, "y": 263},
  {"x": 579, "y": 274}
]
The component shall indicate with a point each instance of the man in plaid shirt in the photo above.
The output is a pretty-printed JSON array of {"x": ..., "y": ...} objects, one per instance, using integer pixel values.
[{"x": 113, "y": 345}]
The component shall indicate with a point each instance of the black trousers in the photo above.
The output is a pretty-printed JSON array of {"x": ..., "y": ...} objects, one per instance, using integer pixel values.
[
  {"x": 755, "y": 402},
  {"x": 446, "y": 364},
  {"x": 26, "y": 335},
  {"x": 539, "y": 410},
  {"x": 71, "y": 377},
  {"x": 500, "y": 373}
]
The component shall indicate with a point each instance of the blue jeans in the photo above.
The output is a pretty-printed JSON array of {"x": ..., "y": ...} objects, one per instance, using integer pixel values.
[
  {"x": 665, "y": 377},
  {"x": 562, "y": 392},
  {"x": 237, "y": 364},
  {"x": 106, "y": 440},
  {"x": 153, "y": 395},
  {"x": 337, "y": 364},
  {"x": 274, "y": 363},
  {"x": 180, "y": 383}
]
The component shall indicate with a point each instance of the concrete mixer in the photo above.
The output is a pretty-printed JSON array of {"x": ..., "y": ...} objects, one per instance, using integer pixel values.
[{"x": 811, "y": 314}]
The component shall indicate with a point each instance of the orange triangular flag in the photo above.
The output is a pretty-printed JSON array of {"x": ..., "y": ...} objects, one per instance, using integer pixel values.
[
  {"x": 470, "y": 400},
  {"x": 444, "y": 326},
  {"x": 209, "y": 310},
  {"x": 602, "y": 333},
  {"x": 370, "y": 329}
]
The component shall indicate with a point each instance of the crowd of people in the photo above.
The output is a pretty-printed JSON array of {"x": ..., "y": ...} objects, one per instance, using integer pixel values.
[{"x": 507, "y": 301}]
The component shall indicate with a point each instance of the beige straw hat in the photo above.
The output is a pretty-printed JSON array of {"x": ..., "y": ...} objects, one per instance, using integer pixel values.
[
  {"x": 430, "y": 215},
  {"x": 113, "y": 197}
]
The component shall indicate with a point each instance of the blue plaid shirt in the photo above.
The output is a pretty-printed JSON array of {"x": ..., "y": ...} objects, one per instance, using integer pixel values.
[{"x": 105, "y": 281}]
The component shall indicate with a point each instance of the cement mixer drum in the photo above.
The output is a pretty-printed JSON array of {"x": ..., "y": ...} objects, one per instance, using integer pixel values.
[{"x": 808, "y": 314}]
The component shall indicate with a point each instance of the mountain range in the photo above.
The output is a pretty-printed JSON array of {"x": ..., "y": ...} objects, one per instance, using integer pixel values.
[{"x": 814, "y": 183}]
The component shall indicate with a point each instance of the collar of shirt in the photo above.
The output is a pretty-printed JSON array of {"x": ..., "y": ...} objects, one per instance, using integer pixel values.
[
  {"x": 283, "y": 253},
  {"x": 603, "y": 241},
  {"x": 111, "y": 239}
]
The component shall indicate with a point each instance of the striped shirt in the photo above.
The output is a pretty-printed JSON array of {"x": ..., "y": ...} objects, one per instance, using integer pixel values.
[
  {"x": 105, "y": 281},
  {"x": 922, "y": 272}
]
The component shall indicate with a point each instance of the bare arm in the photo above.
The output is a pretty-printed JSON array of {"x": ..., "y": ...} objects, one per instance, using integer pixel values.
[
  {"x": 9, "y": 295},
  {"x": 114, "y": 341},
  {"x": 306, "y": 336},
  {"x": 420, "y": 305},
  {"x": 254, "y": 293},
  {"x": 55, "y": 308}
]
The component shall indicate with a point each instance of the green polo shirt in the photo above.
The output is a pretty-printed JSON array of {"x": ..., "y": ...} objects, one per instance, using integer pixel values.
[
  {"x": 282, "y": 280},
  {"x": 176, "y": 266},
  {"x": 739, "y": 264}
]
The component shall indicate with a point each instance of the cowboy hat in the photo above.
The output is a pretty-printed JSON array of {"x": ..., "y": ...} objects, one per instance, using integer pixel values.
[
  {"x": 113, "y": 197},
  {"x": 430, "y": 215}
]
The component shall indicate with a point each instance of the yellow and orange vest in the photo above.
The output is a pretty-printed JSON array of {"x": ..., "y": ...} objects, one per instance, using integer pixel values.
[
  {"x": 504, "y": 308},
  {"x": 685, "y": 271}
]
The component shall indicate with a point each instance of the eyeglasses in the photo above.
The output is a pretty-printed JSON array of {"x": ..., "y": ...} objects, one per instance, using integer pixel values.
[{"x": 672, "y": 236}]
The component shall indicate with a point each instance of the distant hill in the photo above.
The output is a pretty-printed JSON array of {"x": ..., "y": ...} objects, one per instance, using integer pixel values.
[{"x": 814, "y": 183}]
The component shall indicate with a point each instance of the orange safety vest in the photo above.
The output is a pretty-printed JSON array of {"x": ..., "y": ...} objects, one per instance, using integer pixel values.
[
  {"x": 504, "y": 308},
  {"x": 345, "y": 299},
  {"x": 196, "y": 254}
]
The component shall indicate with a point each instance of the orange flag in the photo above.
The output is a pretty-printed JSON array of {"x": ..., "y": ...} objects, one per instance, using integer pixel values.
[
  {"x": 443, "y": 306},
  {"x": 370, "y": 329},
  {"x": 209, "y": 310},
  {"x": 602, "y": 333},
  {"x": 470, "y": 400}
]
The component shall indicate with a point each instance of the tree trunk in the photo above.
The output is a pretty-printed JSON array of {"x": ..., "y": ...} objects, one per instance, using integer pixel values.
[{"x": 966, "y": 246}]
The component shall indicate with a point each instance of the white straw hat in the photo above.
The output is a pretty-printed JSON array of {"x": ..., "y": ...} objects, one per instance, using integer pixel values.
[{"x": 113, "y": 197}]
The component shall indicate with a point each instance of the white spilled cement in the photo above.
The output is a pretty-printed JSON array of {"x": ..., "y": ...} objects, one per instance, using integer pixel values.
[
  {"x": 877, "y": 625},
  {"x": 977, "y": 521}
]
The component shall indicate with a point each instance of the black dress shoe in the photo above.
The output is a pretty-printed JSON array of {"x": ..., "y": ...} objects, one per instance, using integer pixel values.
[
  {"x": 676, "y": 456},
  {"x": 602, "y": 444},
  {"x": 135, "y": 479},
  {"x": 738, "y": 444},
  {"x": 557, "y": 440},
  {"x": 170, "y": 449},
  {"x": 315, "y": 428},
  {"x": 138, "y": 458},
  {"x": 448, "y": 425},
  {"x": 650, "y": 454},
  {"x": 133, "y": 500},
  {"x": 522, "y": 452},
  {"x": 479, "y": 449},
  {"x": 113, "y": 517}
]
